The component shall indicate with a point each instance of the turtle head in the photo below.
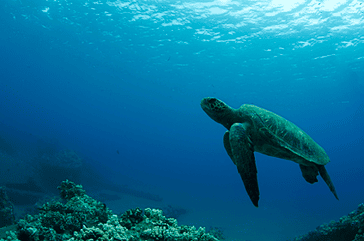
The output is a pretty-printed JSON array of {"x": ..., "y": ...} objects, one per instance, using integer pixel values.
[{"x": 218, "y": 111}]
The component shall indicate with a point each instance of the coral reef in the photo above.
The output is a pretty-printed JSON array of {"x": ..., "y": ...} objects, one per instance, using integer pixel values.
[
  {"x": 79, "y": 217},
  {"x": 348, "y": 228},
  {"x": 7, "y": 216}
]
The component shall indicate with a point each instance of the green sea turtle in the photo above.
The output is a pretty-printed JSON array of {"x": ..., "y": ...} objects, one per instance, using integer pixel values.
[{"x": 251, "y": 128}]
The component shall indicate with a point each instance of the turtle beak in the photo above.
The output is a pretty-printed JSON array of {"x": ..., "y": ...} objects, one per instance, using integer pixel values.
[
  {"x": 204, "y": 105},
  {"x": 207, "y": 103}
]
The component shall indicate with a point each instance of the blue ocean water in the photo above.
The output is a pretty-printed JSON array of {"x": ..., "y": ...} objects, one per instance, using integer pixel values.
[{"x": 120, "y": 82}]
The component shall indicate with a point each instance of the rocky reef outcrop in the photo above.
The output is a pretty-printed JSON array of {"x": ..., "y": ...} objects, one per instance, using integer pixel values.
[
  {"x": 348, "y": 228},
  {"x": 76, "y": 216}
]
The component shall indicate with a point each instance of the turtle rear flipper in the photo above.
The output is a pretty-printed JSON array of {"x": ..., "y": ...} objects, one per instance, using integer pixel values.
[
  {"x": 242, "y": 153},
  {"x": 327, "y": 179},
  {"x": 309, "y": 173}
]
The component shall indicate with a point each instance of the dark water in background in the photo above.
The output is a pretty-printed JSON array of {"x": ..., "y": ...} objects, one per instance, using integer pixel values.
[{"x": 128, "y": 76}]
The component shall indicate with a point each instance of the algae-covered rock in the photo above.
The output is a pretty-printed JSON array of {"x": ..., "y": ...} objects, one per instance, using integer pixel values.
[
  {"x": 155, "y": 226},
  {"x": 348, "y": 228},
  {"x": 131, "y": 218},
  {"x": 79, "y": 217},
  {"x": 68, "y": 190}
]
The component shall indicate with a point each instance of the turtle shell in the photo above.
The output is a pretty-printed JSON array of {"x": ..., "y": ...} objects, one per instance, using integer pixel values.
[{"x": 275, "y": 134}]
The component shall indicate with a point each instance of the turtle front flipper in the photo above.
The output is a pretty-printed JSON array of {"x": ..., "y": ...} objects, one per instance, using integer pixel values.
[
  {"x": 227, "y": 146},
  {"x": 242, "y": 153}
]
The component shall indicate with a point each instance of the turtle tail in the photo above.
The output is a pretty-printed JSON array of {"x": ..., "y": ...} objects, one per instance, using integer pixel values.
[{"x": 327, "y": 179}]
